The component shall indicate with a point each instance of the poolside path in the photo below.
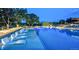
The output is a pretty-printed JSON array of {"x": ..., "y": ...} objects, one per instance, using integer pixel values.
[{"x": 7, "y": 31}]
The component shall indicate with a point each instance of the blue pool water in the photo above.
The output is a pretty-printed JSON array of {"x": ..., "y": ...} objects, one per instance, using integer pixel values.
[
  {"x": 55, "y": 39},
  {"x": 22, "y": 40},
  {"x": 41, "y": 39}
]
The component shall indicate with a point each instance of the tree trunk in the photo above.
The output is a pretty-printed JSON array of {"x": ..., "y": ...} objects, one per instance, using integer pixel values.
[
  {"x": 8, "y": 24},
  {"x": 17, "y": 25},
  {"x": 4, "y": 21}
]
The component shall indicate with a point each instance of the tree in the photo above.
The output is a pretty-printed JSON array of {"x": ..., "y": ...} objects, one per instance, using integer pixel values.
[
  {"x": 32, "y": 19},
  {"x": 62, "y": 21},
  {"x": 69, "y": 20},
  {"x": 20, "y": 14},
  {"x": 6, "y": 14},
  {"x": 45, "y": 23},
  {"x": 12, "y": 15}
]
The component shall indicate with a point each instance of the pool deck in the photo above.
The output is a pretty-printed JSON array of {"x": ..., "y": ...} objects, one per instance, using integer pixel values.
[
  {"x": 71, "y": 28},
  {"x": 7, "y": 31}
]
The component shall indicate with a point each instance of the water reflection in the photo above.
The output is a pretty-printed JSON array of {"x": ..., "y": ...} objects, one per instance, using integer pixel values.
[
  {"x": 55, "y": 39},
  {"x": 70, "y": 32}
]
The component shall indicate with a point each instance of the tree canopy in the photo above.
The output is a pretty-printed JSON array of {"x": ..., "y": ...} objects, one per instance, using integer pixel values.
[{"x": 13, "y": 16}]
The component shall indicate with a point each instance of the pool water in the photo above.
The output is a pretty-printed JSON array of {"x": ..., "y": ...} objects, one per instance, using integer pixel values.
[
  {"x": 22, "y": 40},
  {"x": 42, "y": 39},
  {"x": 55, "y": 39}
]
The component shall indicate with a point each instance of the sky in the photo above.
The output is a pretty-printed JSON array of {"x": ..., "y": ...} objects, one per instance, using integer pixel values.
[{"x": 54, "y": 14}]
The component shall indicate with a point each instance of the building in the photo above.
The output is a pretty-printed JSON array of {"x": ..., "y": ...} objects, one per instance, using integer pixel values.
[{"x": 75, "y": 20}]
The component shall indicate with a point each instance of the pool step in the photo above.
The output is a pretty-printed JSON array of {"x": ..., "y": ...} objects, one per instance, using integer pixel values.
[{"x": 28, "y": 39}]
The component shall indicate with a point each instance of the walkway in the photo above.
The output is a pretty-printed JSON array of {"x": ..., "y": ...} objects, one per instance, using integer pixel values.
[{"x": 7, "y": 31}]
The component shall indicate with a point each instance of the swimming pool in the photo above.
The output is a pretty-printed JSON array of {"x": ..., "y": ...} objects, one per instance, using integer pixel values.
[{"x": 41, "y": 39}]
